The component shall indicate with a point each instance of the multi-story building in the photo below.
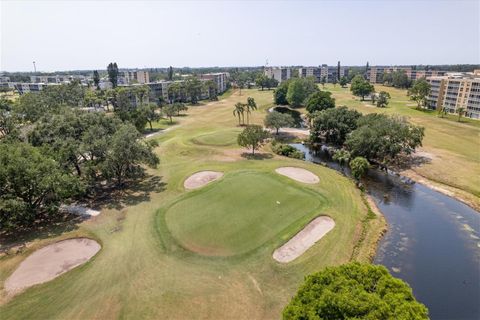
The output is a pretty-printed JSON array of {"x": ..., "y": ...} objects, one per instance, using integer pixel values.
[
  {"x": 58, "y": 79},
  {"x": 329, "y": 73},
  {"x": 23, "y": 87},
  {"x": 138, "y": 76},
  {"x": 454, "y": 91},
  {"x": 219, "y": 78},
  {"x": 4, "y": 79},
  {"x": 278, "y": 73},
  {"x": 375, "y": 73}
]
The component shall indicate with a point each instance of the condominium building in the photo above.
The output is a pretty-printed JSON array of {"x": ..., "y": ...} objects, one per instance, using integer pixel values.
[
  {"x": 278, "y": 73},
  {"x": 454, "y": 91},
  {"x": 329, "y": 73},
  {"x": 4, "y": 79},
  {"x": 375, "y": 73},
  {"x": 219, "y": 78},
  {"x": 130, "y": 77},
  {"x": 23, "y": 87}
]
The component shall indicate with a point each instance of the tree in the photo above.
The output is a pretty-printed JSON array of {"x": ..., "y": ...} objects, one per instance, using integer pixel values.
[
  {"x": 319, "y": 101},
  {"x": 373, "y": 97},
  {"x": 250, "y": 105},
  {"x": 32, "y": 185},
  {"x": 126, "y": 154},
  {"x": 170, "y": 74},
  {"x": 170, "y": 110},
  {"x": 383, "y": 98},
  {"x": 276, "y": 120},
  {"x": 338, "y": 72},
  {"x": 193, "y": 87},
  {"x": 261, "y": 81},
  {"x": 299, "y": 89},
  {"x": 112, "y": 70},
  {"x": 149, "y": 113},
  {"x": 354, "y": 291},
  {"x": 359, "y": 166},
  {"x": 400, "y": 79},
  {"x": 342, "y": 156},
  {"x": 280, "y": 94},
  {"x": 179, "y": 107},
  {"x": 343, "y": 82},
  {"x": 96, "y": 79},
  {"x": 239, "y": 111},
  {"x": 334, "y": 81},
  {"x": 211, "y": 87},
  {"x": 252, "y": 136},
  {"x": 382, "y": 138},
  {"x": 323, "y": 81},
  {"x": 333, "y": 125},
  {"x": 361, "y": 87},
  {"x": 420, "y": 91},
  {"x": 271, "y": 83},
  {"x": 461, "y": 112}
]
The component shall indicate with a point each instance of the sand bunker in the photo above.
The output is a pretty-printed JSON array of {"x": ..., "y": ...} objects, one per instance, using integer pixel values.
[
  {"x": 49, "y": 262},
  {"x": 303, "y": 240},
  {"x": 298, "y": 174},
  {"x": 201, "y": 178}
]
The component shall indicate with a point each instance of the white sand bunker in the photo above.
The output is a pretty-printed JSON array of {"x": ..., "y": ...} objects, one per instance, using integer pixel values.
[
  {"x": 298, "y": 174},
  {"x": 51, "y": 261},
  {"x": 303, "y": 240},
  {"x": 201, "y": 178}
]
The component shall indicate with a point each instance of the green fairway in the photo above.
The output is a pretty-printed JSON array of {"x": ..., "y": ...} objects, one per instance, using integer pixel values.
[
  {"x": 143, "y": 270},
  {"x": 452, "y": 146},
  {"x": 218, "y": 138},
  {"x": 238, "y": 214}
]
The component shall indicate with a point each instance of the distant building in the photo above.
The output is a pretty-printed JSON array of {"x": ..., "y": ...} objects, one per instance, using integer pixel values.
[
  {"x": 219, "y": 78},
  {"x": 23, "y": 87},
  {"x": 4, "y": 79},
  {"x": 131, "y": 77},
  {"x": 375, "y": 73},
  {"x": 278, "y": 73},
  {"x": 456, "y": 90},
  {"x": 329, "y": 73}
]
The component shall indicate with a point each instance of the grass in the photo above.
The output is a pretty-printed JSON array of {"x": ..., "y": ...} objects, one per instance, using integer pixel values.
[
  {"x": 240, "y": 213},
  {"x": 453, "y": 145},
  {"x": 218, "y": 138},
  {"x": 142, "y": 271}
]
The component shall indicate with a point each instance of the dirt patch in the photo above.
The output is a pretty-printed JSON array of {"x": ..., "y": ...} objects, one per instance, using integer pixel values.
[
  {"x": 298, "y": 174},
  {"x": 49, "y": 262},
  {"x": 201, "y": 178},
  {"x": 303, "y": 240}
]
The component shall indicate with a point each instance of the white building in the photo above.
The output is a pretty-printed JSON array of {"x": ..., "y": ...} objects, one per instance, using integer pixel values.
[{"x": 278, "y": 73}]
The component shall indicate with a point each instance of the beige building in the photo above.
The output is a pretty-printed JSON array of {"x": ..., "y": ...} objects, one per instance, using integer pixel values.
[
  {"x": 278, "y": 73},
  {"x": 128, "y": 77},
  {"x": 454, "y": 91},
  {"x": 375, "y": 73},
  {"x": 219, "y": 78}
]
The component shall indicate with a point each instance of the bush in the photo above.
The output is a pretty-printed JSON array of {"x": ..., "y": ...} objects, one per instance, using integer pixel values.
[
  {"x": 354, "y": 291},
  {"x": 287, "y": 151}
]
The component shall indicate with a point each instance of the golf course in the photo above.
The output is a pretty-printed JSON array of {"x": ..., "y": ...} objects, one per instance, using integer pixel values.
[{"x": 180, "y": 248}]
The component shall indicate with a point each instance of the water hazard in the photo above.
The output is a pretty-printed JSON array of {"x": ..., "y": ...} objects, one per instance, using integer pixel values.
[{"x": 433, "y": 242}]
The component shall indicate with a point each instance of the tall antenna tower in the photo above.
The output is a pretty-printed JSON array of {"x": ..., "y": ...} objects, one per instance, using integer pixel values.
[{"x": 34, "y": 67}]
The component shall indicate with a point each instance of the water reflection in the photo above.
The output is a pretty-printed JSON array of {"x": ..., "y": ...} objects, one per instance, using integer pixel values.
[{"x": 433, "y": 241}]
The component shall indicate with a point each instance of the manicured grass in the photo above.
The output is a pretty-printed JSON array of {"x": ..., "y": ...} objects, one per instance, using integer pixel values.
[
  {"x": 218, "y": 138},
  {"x": 454, "y": 146},
  {"x": 239, "y": 213},
  {"x": 142, "y": 271}
]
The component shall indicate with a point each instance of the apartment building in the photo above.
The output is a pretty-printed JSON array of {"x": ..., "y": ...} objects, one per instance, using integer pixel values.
[
  {"x": 130, "y": 77},
  {"x": 278, "y": 73},
  {"x": 219, "y": 78},
  {"x": 329, "y": 73},
  {"x": 4, "y": 79},
  {"x": 375, "y": 73},
  {"x": 454, "y": 91},
  {"x": 23, "y": 87}
]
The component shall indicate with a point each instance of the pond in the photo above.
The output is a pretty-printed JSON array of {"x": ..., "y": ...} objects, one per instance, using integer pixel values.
[{"x": 433, "y": 241}]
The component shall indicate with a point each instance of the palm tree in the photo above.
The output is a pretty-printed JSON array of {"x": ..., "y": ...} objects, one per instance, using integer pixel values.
[
  {"x": 239, "y": 111},
  {"x": 342, "y": 157},
  {"x": 251, "y": 105}
]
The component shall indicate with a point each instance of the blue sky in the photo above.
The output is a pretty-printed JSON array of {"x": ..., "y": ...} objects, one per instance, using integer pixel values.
[{"x": 66, "y": 35}]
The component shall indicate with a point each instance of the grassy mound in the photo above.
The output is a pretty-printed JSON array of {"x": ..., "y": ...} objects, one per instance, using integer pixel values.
[
  {"x": 219, "y": 138},
  {"x": 239, "y": 214}
]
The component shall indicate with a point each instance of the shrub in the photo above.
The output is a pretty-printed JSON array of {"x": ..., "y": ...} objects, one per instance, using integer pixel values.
[{"x": 287, "y": 151}]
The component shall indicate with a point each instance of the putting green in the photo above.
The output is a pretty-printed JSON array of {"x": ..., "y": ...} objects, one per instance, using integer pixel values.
[
  {"x": 240, "y": 213},
  {"x": 219, "y": 138}
]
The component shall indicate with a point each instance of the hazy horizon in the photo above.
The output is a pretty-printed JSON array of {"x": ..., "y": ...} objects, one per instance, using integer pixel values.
[{"x": 61, "y": 35}]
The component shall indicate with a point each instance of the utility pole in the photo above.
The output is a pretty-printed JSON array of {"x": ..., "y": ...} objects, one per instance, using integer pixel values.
[{"x": 34, "y": 67}]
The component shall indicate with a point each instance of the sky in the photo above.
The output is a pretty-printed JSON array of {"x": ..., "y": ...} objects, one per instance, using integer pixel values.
[{"x": 78, "y": 35}]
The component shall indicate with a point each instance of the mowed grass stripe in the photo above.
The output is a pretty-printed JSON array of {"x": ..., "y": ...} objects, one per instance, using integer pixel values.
[{"x": 239, "y": 213}]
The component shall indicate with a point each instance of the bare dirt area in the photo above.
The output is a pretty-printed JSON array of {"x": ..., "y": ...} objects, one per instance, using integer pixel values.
[
  {"x": 201, "y": 178},
  {"x": 49, "y": 262},
  {"x": 303, "y": 240},
  {"x": 298, "y": 174}
]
